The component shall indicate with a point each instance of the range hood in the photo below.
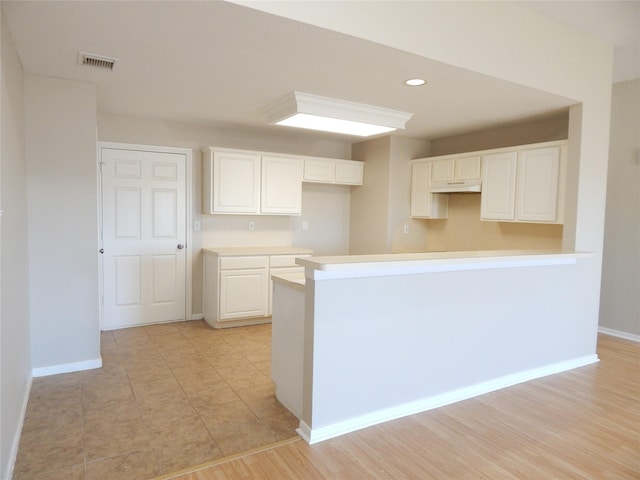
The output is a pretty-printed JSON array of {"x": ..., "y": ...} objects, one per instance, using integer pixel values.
[{"x": 457, "y": 186}]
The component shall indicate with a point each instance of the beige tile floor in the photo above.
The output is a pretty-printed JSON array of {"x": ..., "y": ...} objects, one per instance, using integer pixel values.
[{"x": 167, "y": 397}]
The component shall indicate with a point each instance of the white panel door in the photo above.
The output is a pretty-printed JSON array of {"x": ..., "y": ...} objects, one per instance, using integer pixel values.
[{"x": 143, "y": 237}]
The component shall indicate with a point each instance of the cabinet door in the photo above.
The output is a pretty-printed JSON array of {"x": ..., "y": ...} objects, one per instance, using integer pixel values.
[
  {"x": 281, "y": 185},
  {"x": 236, "y": 182},
  {"x": 243, "y": 293},
  {"x": 425, "y": 204},
  {"x": 442, "y": 170},
  {"x": 537, "y": 186},
  {"x": 468, "y": 168},
  {"x": 349, "y": 173},
  {"x": 319, "y": 171},
  {"x": 498, "y": 186}
]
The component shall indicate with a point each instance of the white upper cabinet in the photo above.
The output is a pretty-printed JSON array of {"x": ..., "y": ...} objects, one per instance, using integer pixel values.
[
  {"x": 328, "y": 170},
  {"x": 319, "y": 170},
  {"x": 425, "y": 204},
  {"x": 468, "y": 168},
  {"x": 349, "y": 172},
  {"x": 455, "y": 169},
  {"x": 442, "y": 170},
  {"x": 499, "y": 186},
  {"x": 232, "y": 182},
  {"x": 244, "y": 182},
  {"x": 525, "y": 185},
  {"x": 281, "y": 185},
  {"x": 537, "y": 187}
]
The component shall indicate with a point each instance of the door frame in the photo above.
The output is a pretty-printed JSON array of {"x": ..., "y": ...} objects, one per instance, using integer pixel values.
[{"x": 188, "y": 219}]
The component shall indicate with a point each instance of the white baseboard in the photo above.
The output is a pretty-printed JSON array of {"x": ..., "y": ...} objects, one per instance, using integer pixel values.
[
  {"x": 314, "y": 435},
  {"x": 67, "y": 367},
  {"x": 619, "y": 334},
  {"x": 13, "y": 454},
  {"x": 196, "y": 316}
]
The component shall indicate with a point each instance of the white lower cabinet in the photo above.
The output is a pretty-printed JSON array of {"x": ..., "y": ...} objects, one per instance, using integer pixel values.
[
  {"x": 238, "y": 288},
  {"x": 243, "y": 293}
]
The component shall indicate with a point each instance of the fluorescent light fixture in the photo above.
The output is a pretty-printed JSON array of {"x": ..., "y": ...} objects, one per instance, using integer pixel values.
[{"x": 304, "y": 110}]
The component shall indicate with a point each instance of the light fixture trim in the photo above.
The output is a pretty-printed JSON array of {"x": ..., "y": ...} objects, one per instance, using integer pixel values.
[
  {"x": 347, "y": 117},
  {"x": 415, "y": 82}
]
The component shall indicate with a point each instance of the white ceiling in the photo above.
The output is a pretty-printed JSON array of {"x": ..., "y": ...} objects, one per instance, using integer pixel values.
[{"x": 216, "y": 63}]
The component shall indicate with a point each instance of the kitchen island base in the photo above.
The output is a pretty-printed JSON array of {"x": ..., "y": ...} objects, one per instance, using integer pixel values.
[{"x": 389, "y": 336}]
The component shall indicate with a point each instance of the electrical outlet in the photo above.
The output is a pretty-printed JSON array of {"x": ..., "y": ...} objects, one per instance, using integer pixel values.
[
  {"x": 305, "y": 226},
  {"x": 252, "y": 225},
  {"x": 405, "y": 229},
  {"x": 196, "y": 225}
]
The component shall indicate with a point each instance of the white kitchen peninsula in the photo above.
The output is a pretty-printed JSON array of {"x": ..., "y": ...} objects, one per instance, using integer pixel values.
[{"x": 384, "y": 336}]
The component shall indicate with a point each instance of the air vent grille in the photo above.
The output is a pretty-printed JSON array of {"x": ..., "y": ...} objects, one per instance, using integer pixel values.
[{"x": 97, "y": 61}]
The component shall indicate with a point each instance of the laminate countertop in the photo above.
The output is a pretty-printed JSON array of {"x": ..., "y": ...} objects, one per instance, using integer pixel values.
[
  {"x": 410, "y": 263},
  {"x": 240, "y": 251}
]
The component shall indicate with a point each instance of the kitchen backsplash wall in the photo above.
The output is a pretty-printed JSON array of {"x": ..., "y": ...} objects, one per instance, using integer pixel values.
[{"x": 464, "y": 230}]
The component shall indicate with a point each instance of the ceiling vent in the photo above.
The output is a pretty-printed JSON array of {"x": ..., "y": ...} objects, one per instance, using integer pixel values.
[{"x": 98, "y": 61}]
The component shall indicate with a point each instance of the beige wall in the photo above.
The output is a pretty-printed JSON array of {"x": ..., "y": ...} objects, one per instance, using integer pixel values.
[
  {"x": 15, "y": 348},
  {"x": 63, "y": 221},
  {"x": 324, "y": 207},
  {"x": 554, "y": 127},
  {"x": 463, "y": 230},
  {"x": 370, "y": 202},
  {"x": 381, "y": 207},
  {"x": 620, "y": 298}
]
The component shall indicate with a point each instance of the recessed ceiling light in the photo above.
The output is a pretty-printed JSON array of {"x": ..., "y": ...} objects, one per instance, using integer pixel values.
[
  {"x": 304, "y": 110},
  {"x": 415, "y": 82}
]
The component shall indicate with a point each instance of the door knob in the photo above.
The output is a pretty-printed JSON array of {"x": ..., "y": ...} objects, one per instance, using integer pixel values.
[{"x": 180, "y": 246}]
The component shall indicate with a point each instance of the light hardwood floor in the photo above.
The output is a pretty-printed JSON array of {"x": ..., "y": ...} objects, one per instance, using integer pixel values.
[{"x": 581, "y": 424}]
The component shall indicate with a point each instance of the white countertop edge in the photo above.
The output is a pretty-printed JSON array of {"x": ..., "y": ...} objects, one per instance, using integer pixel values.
[
  {"x": 256, "y": 250},
  {"x": 294, "y": 280},
  {"x": 320, "y": 269}
]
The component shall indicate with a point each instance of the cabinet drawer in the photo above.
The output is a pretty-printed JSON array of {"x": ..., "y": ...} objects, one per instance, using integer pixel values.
[
  {"x": 234, "y": 263},
  {"x": 284, "y": 260}
]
